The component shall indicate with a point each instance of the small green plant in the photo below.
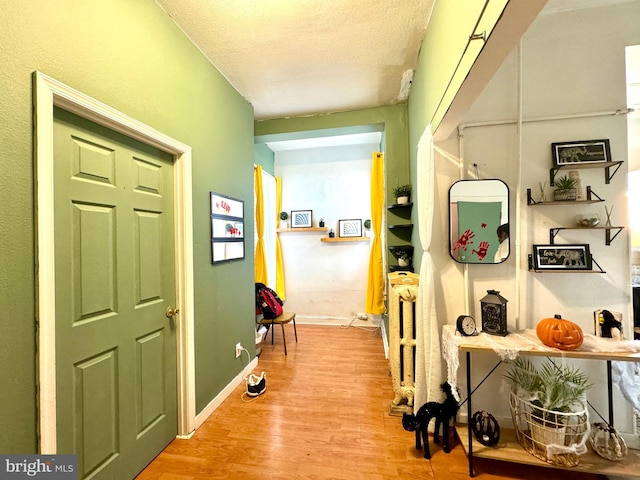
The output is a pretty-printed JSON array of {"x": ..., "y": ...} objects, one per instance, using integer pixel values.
[
  {"x": 284, "y": 215},
  {"x": 367, "y": 224},
  {"x": 402, "y": 191},
  {"x": 551, "y": 386},
  {"x": 565, "y": 183}
]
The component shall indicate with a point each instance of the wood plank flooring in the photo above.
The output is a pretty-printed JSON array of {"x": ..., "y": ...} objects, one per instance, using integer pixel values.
[{"x": 324, "y": 416}]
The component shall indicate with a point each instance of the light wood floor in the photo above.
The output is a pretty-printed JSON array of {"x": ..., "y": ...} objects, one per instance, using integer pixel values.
[{"x": 324, "y": 416}]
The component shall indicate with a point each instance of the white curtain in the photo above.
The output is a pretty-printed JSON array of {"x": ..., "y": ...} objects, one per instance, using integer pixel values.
[
  {"x": 270, "y": 223},
  {"x": 269, "y": 227},
  {"x": 428, "y": 358}
]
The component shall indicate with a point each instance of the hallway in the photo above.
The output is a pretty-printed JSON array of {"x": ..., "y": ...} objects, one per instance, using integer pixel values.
[{"x": 324, "y": 416}]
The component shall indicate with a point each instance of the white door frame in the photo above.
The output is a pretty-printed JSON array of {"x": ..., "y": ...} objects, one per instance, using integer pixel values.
[{"x": 47, "y": 94}]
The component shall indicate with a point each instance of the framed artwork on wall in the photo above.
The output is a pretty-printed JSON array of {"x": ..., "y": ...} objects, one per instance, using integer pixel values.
[
  {"x": 562, "y": 257},
  {"x": 350, "y": 228},
  {"x": 580, "y": 152},
  {"x": 301, "y": 219},
  {"x": 227, "y": 228}
]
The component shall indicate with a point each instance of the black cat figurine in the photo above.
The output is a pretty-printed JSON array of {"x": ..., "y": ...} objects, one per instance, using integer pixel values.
[{"x": 442, "y": 412}]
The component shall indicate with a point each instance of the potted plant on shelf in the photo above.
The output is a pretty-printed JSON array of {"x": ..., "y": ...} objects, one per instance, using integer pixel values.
[
  {"x": 549, "y": 394},
  {"x": 565, "y": 189},
  {"x": 367, "y": 226},
  {"x": 402, "y": 193},
  {"x": 283, "y": 219},
  {"x": 404, "y": 259}
]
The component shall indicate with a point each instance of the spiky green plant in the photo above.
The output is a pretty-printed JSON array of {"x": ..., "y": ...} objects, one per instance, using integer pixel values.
[
  {"x": 565, "y": 183},
  {"x": 550, "y": 386}
]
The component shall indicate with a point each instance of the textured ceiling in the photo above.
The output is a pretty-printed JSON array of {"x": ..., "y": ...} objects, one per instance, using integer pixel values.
[{"x": 304, "y": 57}]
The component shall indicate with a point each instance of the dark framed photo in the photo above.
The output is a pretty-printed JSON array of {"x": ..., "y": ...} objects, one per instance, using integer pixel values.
[
  {"x": 301, "y": 218},
  {"x": 583, "y": 151},
  {"x": 350, "y": 228},
  {"x": 562, "y": 257},
  {"x": 227, "y": 228}
]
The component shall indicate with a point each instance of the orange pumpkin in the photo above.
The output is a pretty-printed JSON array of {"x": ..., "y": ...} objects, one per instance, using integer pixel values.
[{"x": 559, "y": 333}]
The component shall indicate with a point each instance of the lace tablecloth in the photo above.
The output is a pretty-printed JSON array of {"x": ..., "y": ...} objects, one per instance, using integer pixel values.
[{"x": 527, "y": 342}]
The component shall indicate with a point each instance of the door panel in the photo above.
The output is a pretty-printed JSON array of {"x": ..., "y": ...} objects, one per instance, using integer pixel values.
[{"x": 115, "y": 279}]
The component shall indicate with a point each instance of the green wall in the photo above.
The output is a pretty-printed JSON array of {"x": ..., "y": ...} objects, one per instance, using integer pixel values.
[
  {"x": 129, "y": 55},
  {"x": 264, "y": 157}
]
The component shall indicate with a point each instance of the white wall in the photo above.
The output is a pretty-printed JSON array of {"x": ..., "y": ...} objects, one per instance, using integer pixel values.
[
  {"x": 573, "y": 63},
  {"x": 325, "y": 282}
]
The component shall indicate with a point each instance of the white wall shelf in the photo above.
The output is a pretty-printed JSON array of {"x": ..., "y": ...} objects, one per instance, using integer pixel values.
[
  {"x": 302, "y": 229},
  {"x": 344, "y": 239}
]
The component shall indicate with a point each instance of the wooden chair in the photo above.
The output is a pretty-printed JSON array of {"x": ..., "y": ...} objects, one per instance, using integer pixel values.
[{"x": 286, "y": 317}]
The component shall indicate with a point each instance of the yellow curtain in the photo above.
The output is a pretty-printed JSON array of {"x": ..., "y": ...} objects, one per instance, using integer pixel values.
[
  {"x": 279, "y": 262},
  {"x": 375, "y": 287},
  {"x": 260, "y": 263}
]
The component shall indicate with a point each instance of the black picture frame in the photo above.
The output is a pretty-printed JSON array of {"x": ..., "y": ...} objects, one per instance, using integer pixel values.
[
  {"x": 227, "y": 228},
  {"x": 562, "y": 257},
  {"x": 350, "y": 227},
  {"x": 580, "y": 152},
  {"x": 301, "y": 218}
]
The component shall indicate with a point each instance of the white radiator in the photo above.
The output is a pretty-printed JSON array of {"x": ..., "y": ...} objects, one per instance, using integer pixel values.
[{"x": 402, "y": 339}]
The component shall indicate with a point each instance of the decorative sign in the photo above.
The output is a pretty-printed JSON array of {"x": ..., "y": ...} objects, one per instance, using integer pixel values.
[
  {"x": 562, "y": 257},
  {"x": 583, "y": 151}
]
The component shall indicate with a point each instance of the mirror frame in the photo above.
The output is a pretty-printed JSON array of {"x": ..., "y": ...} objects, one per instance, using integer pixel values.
[{"x": 453, "y": 244}]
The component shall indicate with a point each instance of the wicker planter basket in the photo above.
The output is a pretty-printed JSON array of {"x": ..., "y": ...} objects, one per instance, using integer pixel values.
[
  {"x": 559, "y": 441},
  {"x": 568, "y": 194}
]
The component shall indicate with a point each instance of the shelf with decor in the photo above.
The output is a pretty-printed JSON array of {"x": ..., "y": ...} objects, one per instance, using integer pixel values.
[
  {"x": 592, "y": 197},
  {"x": 401, "y": 232},
  {"x": 511, "y": 448},
  {"x": 344, "y": 239},
  {"x": 397, "y": 206},
  {"x": 608, "y": 174},
  {"x": 401, "y": 227},
  {"x": 608, "y": 232},
  {"x": 302, "y": 229},
  {"x": 399, "y": 268},
  {"x": 398, "y": 251}
]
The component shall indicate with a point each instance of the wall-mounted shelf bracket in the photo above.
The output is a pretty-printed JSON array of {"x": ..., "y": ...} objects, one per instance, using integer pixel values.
[
  {"x": 610, "y": 232},
  {"x": 592, "y": 197},
  {"x": 608, "y": 173}
]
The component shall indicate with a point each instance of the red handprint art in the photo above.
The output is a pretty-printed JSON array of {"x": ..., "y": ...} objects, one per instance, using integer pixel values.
[
  {"x": 465, "y": 240},
  {"x": 482, "y": 250}
]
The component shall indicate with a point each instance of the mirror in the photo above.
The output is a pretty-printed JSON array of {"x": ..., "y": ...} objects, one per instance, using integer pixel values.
[{"x": 479, "y": 221}]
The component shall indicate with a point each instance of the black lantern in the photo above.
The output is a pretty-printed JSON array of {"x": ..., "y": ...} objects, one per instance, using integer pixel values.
[{"x": 494, "y": 313}]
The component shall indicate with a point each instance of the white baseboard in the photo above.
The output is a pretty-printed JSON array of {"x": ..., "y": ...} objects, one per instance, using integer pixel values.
[{"x": 217, "y": 401}]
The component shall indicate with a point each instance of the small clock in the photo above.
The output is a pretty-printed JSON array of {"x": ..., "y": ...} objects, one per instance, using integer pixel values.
[{"x": 466, "y": 325}]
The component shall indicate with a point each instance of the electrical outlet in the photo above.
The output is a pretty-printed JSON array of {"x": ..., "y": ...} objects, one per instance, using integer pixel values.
[{"x": 239, "y": 349}]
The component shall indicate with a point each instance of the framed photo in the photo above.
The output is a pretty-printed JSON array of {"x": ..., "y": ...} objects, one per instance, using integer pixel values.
[
  {"x": 562, "y": 257},
  {"x": 227, "y": 228},
  {"x": 583, "y": 151},
  {"x": 350, "y": 228},
  {"x": 301, "y": 218}
]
